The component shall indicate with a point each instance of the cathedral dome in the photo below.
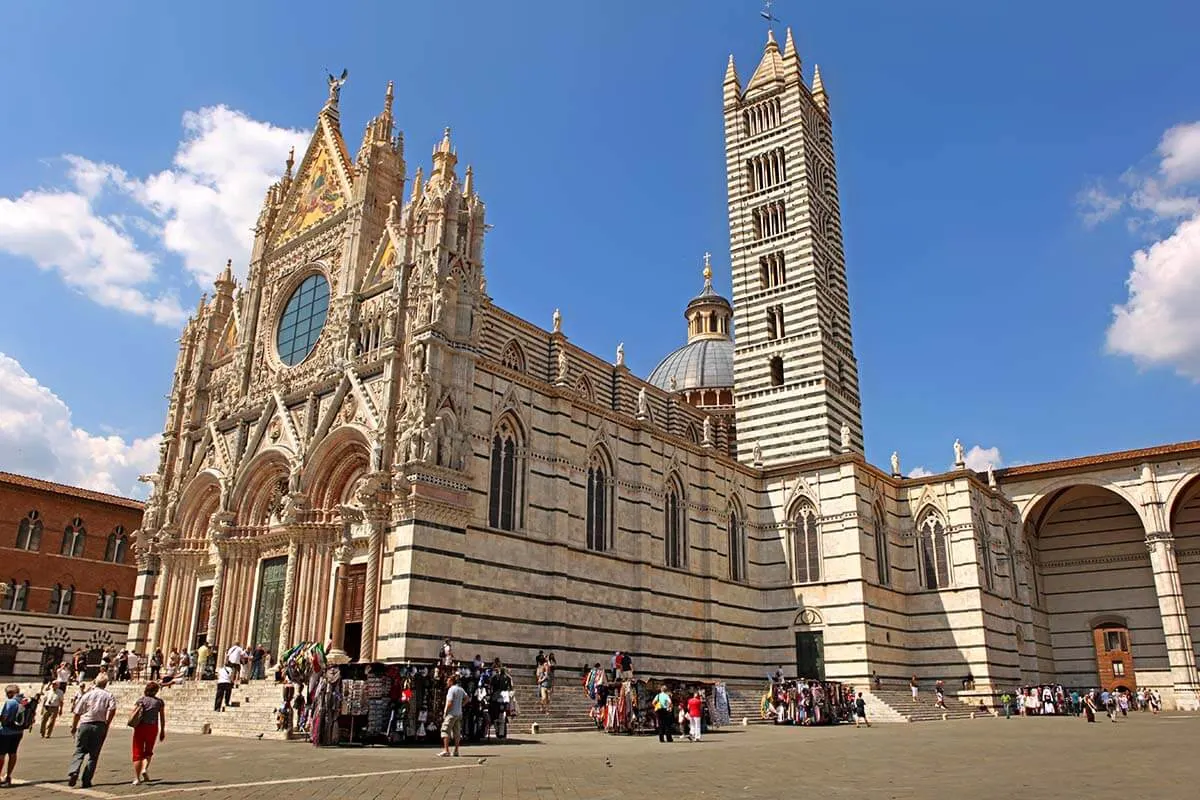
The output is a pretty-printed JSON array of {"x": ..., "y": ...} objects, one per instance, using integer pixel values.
[
  {"x": 706, "y": 361},
  {"x": 701, "y": 364}
]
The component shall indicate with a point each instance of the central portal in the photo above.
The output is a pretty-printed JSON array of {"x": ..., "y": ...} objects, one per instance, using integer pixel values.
[
  {"x": 271, "y": 577},
  {"x": 810, "y": 655}
]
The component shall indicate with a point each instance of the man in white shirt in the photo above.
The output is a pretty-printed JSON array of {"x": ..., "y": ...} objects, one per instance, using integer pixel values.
[
  {"x": 94, "y": 712},
  {"x": 224, "y": 687},
  {"x": 233, "y": 660},
  {"x": 452, "y": 718},
  {"x": 52, "y": 700}
]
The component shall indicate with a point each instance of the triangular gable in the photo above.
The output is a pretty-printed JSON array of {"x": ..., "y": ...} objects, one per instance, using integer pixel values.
[
  {"x": 383, "y": 262},
  {"x": 228, "y": 339},
  {"x": 322, "y": 184}
]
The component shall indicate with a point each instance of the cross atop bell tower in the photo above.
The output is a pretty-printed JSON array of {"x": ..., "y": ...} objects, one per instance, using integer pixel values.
[{"x": 795, "y": 375}]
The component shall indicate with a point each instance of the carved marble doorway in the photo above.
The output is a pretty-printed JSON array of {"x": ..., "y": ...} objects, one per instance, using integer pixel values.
[
  {"x": 352, "y": 604},
  {"x": 271, "y": 576}
]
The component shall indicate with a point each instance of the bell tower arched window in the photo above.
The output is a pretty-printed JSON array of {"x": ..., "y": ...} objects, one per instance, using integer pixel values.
[
  {"x": 29, "y": 532},
  {"x": 933, "y": 552},
  {"x": 675, "y": 525},
  {"x": 806, "y": 544},
  {"x": 599, "y": 483},
  {"x": 74, "y": 537},
  {"x": 504, "y": 487}
]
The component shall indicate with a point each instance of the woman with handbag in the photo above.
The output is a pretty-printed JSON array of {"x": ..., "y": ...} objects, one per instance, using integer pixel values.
[{"x": 149, "y": 722}]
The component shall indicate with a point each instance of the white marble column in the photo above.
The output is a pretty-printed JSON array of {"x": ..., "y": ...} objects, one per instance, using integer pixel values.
[
  {"x": 289, "y": 590},
  {"x": 214, "y": 609},
  {"x": 371, "y": 597},
  {"x": 1180, "y": 653},
  {"x": 160, "y": 605}
]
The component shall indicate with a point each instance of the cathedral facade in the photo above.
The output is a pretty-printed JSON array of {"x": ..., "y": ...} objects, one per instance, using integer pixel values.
[{"x": 361, "y": 448}]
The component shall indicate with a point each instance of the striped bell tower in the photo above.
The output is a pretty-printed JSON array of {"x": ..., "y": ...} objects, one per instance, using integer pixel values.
[{"x": 795, "y": 376}]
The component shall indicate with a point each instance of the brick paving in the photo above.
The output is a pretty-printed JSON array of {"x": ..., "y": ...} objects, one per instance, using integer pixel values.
[{"x": 1142, "y": 756}]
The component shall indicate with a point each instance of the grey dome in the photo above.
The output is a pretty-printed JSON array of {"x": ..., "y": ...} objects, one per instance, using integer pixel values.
[{"x": 704, "y": 363}]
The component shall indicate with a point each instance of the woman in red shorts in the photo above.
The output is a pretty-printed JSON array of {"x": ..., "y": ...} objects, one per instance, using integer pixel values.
[{"x": 151, "y": 725}]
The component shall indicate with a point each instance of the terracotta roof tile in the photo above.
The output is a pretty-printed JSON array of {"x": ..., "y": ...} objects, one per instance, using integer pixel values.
[
  {"x": 1101, "y": 459},
  {"x": 26, "y": 482}
]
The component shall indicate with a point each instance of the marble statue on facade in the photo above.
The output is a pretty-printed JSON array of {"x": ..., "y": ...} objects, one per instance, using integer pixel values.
[
  {"x": 643, "y": 408},
  {"x": 756, "y": 455},
  {"x": 621, "y": 354},
  {"x": 895, "y": 464},
  {"x": 563, "y": 366},
  {"x": 708, "y": 432},
  {"x": 845, "y": 437},
  {"x": 960, "y": 458},
  {"x": 991, "y": 476},
  {"x": 557, "y": 322}
]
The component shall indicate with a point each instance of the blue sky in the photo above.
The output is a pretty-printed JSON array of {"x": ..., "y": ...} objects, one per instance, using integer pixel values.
[{"x": 999, "y": 168}]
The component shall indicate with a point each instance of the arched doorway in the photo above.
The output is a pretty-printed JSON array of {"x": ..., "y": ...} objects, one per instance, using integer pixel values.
[
  {"x": 1185, "y": 525},
  {"x": 810, "y": 644},
  {"x": 1091, "y": 568}
]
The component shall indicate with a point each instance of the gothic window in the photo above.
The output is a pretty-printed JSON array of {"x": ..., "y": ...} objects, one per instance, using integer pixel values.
[
  {"x": 934, "y": 552},
  {"x": 692, "y": 435},
  {"x": 762, "y": 117},
  {"x": 73, "y": 539},
  {"x": 806, "y": 546},
  {"x": 101, "y": 603},
  {"x": 114, "y": 548},
  {"x": 29, "y": 532},
  {"x": 675, "y": 525},
  {"x": 598, "y": 503},
  {"x": 737, "y": 545},
  {"x": 513, "y": 357},
  {"x": 504, "y": 488},
  {"x": 110, "y": 606},
  {"x": 883, "y": 566},
  {"x": 61, "y": 600},
  {"x": 985, "y": 553},
  {"x": 771, "y": 270},
  {"x": 584, "y": 388},
  {"x": 17, "y": 598},
  {"x": 777, "y": 371},
  {"x": 1011, "y": 555}
]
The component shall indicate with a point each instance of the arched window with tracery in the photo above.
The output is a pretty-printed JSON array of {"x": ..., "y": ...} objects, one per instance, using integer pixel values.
[
  {"x": 933, "y": 544},
  {"x": 737, "y": 544},
  {"x": 1011, "y": 557},
  {"x": 114, "y": 548},
  {"x": 61, "y": 599},
  {"x": 74, "y": 537},
  {"x": 29, "y": 532},
  {"x": 883, "y": 564},
  {"x": 675, "y": 524},
  {"x": 599, "y": 512},
  {"x": 504, "y": 487},
  {"x": 17, "y": 598},
  {"x": 513, "y": 356},
  {"x": 806, "y": 544},
  {"x": 985, "y": 552},
  {"x": 110, "y": 605},
  {"x": 101, "y": 603}
]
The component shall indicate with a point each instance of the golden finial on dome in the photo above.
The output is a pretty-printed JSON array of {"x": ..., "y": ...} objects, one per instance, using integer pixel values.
[{"x": 708, "y": 268}]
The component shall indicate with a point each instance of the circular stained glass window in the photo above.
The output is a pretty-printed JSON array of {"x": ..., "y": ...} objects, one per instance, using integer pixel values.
[{"x": 302, "y": 320}]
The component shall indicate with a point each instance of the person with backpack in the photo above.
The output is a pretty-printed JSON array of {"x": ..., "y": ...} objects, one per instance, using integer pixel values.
[{"x": 14, "y": 719}]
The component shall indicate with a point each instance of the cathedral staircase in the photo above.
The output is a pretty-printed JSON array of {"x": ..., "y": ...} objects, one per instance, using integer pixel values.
[
  {"x": 251, "y": 713},
  {"x": 897, "y": 705}
]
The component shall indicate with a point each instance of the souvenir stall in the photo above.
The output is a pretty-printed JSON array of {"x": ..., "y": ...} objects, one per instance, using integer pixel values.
[
  {"x": 629, "y": 707},
  {"x": 299, "y": 671},
  {"x": 807, "y": 702}
]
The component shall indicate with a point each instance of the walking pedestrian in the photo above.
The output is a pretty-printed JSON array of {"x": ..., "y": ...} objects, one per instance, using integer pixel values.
[
  {"x": 695, "y": 712},
  {"x": 913, "y": 685},
  {"x": 202, "y": 654},
  {"x": 233, "y": 660},
  {"x": 452, "y": 717},
  {"x": 156, "y": 662},
  {"x": 94, "y": 713},
  {"x": 224, "y": 687},
  {"x": 52, "y": 700},
  {"x": 662, "y": 715},
  {"x": 860, "y": 711},
  {"x": 12, "y": 729},
  {"x": 149, "y": 723}
]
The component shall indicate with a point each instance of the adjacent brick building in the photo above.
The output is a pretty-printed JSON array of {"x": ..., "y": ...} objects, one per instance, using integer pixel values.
[{"x": 67, "y": 567}]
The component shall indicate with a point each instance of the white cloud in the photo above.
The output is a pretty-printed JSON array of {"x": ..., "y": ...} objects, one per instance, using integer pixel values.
[
  {"x": 1180, "y": 151},
  {"x": 38, "y": 438},
  {"x": 1096, "y": 205},
  {"x": 980, "y": 458},
  {"x": 1157, "y": 325},
  {"x": 201, "y": 210},
  {"x": 919, "y": 472}
]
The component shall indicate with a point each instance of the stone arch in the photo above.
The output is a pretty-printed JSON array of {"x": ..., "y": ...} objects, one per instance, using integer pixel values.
[
  {"x": 808, "y": 617},
  {"x": 264, "y": 478},
  {"x": 1055, "y": 487},
  {"x": 1183, "y": 495},
  {"x": 201, "y": 498},
  {"x": 11, "y": 633},
  {"x": 1089, "y": 561},
  {"x": 583, "y": 387},
  {"x": 336, "y": 464},
  {"x": 100, "y": 639},
  {"x": 1183, "y": 520},
  {"x": 56, "y": 636}
]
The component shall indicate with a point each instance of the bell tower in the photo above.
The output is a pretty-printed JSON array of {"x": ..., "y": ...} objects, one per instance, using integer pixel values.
[{"x": 795, "y": 376}]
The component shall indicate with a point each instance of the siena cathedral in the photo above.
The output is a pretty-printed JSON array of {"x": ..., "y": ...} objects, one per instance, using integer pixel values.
[{"x": 362, "y": 449}]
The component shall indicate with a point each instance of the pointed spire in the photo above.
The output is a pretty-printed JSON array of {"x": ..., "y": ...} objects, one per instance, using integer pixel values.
[
  {"x": 818, "y": 90},
  {"x": 469, "y": 182},
  {"x": 388, "y": 97},
  {"x": 444, "y": 159},
  {"x": 770, "y": 68},
  {"x": 731, "y": 75},
  {"x": 791, "y": 59},
  {"x": 733, "y": 84},
  {"x": 291, "y": 162},
  {"x": 416, "y": 190},
  {"x": 226, "y": 275}
]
